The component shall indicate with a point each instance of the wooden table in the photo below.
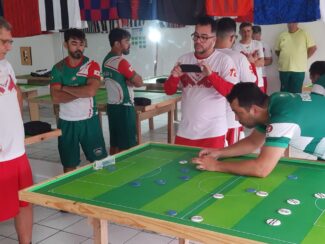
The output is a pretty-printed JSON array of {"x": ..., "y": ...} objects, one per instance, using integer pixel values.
[
  {"x": 238, "y": 216},
  {"x": 30, "y": 91},
  {"x": 33, "y": 80},
  {"x": 42, "y": 137},
  {"x": 161, "y": 103}
]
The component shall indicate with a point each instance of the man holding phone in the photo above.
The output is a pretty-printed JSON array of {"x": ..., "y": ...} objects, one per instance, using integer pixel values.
[{"x": 204, "y": 122}]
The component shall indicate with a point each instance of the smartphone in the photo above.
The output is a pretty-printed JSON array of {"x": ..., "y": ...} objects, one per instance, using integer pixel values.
[{"x": 190, "y": 68}]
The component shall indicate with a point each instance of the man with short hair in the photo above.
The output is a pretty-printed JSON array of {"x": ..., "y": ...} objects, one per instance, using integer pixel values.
[
  {"x": 204, "y": 122},
  {"x": 15, "y": 172},
  {"x": 293, "y": 47},
  {"x": 317, "y": 76},
  {"x": 298, "y": 124},
  {"x": 226, "y": 36},
  {"x": 267, "y": 51},
  {"x": 74, "y": 84},
  {"x": 120, "y": 80},
  {"x": 252, "y": 49}
]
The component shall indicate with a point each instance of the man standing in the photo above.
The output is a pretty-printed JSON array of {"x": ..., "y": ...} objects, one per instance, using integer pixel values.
[
  {"x": 75, "y": 81},
  {"x": 120, "y": 78},
  {"x": 267, "y": 51},
  {"x": 299, "y": 124},
  {"x": 252, "y": 49},
  {"x": 226, "y": 36},
  {"x": 293, "y": 49},
  {"x": 15, "y": 172},
  {"x": 204, "y": 122}
]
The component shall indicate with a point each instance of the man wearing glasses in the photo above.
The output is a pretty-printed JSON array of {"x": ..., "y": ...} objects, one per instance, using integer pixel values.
[
  {"x": 204, "y": 122},
  {"x": 15, "y": 172}
]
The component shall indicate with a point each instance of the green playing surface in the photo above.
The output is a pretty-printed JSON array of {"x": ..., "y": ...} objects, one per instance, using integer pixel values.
[
  {"x": 239, "y": 213},
  {"x": 101, "y": 96}
]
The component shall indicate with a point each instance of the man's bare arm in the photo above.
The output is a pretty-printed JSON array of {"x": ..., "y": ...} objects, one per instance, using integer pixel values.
[
  {"x": 262, "y": 166},
  {"x": 247, "y": 145},
  {"x": 136, "y": 80},
  {"x": 59, "y": 96},
  {"x": 311, "y": 51},
  {"x": 88, "y": 90}
]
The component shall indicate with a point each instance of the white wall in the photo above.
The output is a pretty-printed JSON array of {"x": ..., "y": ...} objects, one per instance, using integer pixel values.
[{"x": 47, "y": 49}]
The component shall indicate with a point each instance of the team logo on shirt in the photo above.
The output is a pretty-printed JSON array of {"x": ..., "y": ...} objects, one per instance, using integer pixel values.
[
  {"x": 269, "y": 128},
  {"x": 233, "y": 72}
]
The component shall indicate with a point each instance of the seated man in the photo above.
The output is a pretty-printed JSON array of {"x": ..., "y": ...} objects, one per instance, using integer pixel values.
[
  {"x": 280, "y": 120},
  {"x": 317, "y": 76}
]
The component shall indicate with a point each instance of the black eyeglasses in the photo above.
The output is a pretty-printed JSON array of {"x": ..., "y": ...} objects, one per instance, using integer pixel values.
[
  {"x": 6, "y": 42},
  {"x": 203, "y": 38}
]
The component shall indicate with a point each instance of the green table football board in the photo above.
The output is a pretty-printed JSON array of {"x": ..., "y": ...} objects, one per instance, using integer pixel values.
[
  {"x": 101, "y": 96},
  {"x": 149, "y": 180}
]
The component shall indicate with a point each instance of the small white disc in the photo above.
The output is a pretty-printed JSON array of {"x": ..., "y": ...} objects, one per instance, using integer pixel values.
[
  {"x": 197, "y": 218},
  {"x": 319, "y": 195},
  {"x": 293, "y": 201},
  {"x": 284, "y": 211},
  {"x": 262, "y": 193},
  {"x": 218, "y": 196},
  {"x": 273, "y": 222},
  {"x": 183, "y": 161}
]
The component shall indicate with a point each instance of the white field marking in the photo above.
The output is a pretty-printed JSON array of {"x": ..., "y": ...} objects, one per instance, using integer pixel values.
[
  {"x": 322, "y": 212},
  {"x": 152, "y": 173},
  {"x": 257, "y": 186},
  {"x": 209, "y": 197}
]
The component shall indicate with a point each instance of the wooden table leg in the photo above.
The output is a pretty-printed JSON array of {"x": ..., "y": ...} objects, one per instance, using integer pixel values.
[
  {"x": 138, "y": 128},
  {"x": 176, "y": 112},
  {"x": 183, "y": 241},
  {"x": 151, "y": 125},
  {"x": 32, "y": 107},
  {"x": 100, "y": 228},
  {"x": 170, "y": 125}
]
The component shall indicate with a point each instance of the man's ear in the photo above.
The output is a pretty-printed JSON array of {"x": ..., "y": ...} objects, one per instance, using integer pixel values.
[{"x": 255, "y": 109}]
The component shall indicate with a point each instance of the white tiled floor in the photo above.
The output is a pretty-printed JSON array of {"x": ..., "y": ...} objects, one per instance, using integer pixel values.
[{"x": 51, "y": 226}]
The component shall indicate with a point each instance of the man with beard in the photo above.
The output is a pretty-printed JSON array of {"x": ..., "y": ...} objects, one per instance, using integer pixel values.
[
  {"x": 120, "y": 79},
  {"x": 204, "y": 121},
  {"x": 74, "y": 83},
  {"x": 297, "y": 124}
]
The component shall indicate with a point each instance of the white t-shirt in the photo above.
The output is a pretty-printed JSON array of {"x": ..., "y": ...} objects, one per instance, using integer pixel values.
[
  {"x": 267, "y": 54},
  {"x": 250, "y": 48},
  {"x": 203, "y": 107},
  {"x": 245, "y": 74},
  {"x": 12, "y": 129}
]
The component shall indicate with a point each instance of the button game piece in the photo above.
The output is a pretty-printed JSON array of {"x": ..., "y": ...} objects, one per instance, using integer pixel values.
[
  {"x": 171, "y": 212},
  {"x": 319, "y": 195},
  {"x": 184, "y": 177},
  {"x": 251, "y": 190},
  {"x": 183, "y": 161},
  {"x": 292, "y": 177},
  {"x": 135, "y": 183},
  {"x": 293, "y": 201},
  {"x": 218, "y": 196},
  {"x": 284, "y": 211},
  {"x": 262, "y": 193},
  {"x": 185, "y": 170},
  {"x": 273, "y": 222},
  {"x": 161, "y": 182},
  {"x": 197, "y": 218}
]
